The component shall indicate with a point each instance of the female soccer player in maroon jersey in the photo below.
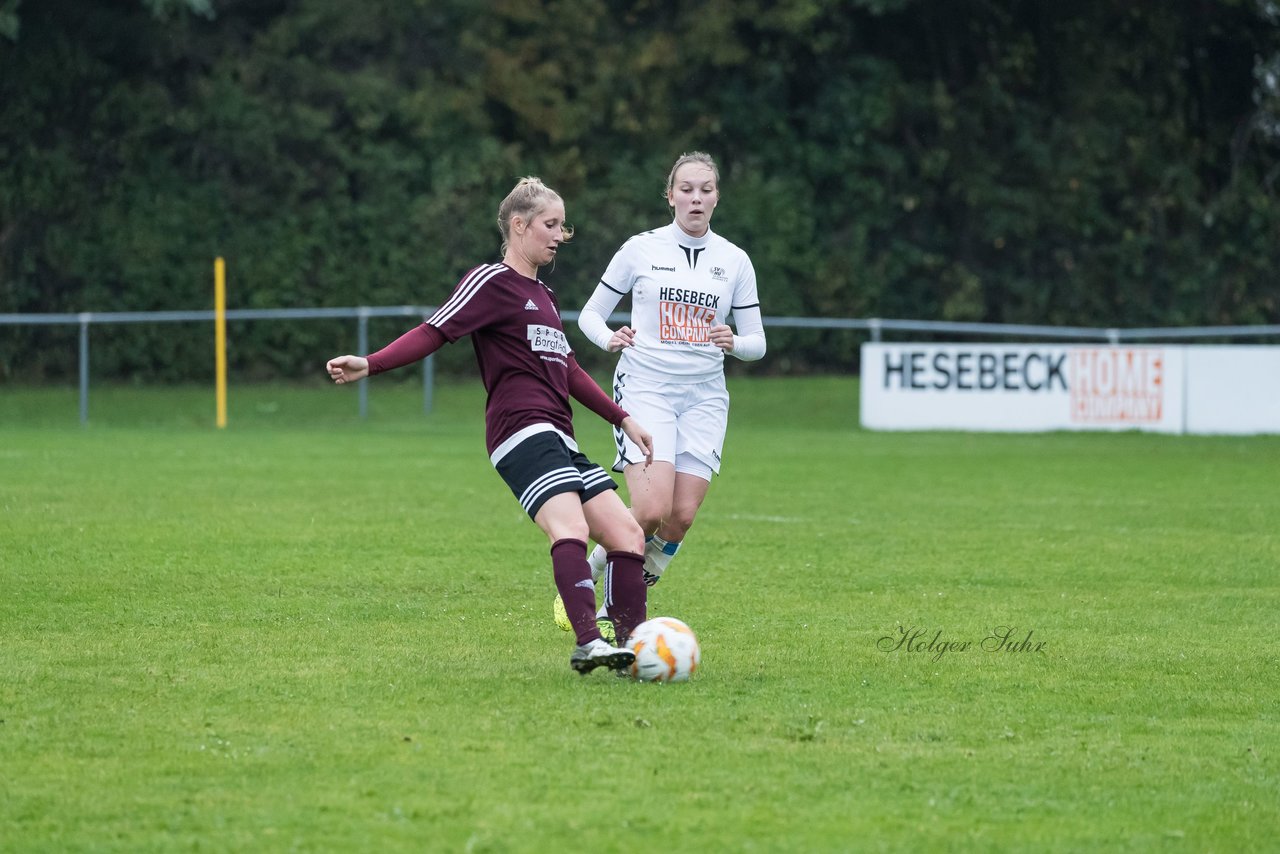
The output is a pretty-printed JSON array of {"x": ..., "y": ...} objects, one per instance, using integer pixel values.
[{"x": 529, "y": 372}]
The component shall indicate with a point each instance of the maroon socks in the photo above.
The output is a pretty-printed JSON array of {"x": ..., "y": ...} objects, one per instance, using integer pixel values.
[
  {"x": 625, "y": 594},
  {"x": 573, "y": 581}
]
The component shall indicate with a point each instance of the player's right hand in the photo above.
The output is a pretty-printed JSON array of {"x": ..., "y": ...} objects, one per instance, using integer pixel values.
[{"x": 623, "y": 338}]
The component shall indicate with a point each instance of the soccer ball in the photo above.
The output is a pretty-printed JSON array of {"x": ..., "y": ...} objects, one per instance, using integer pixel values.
[{"x": 666, "y": 650}]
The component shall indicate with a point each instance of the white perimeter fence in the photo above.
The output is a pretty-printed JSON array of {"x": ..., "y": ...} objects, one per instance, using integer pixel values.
[{"x": 873, "y": 327}]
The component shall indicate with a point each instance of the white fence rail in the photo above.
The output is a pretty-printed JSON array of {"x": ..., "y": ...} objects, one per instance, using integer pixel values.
[{"x": 874, "y": 327}]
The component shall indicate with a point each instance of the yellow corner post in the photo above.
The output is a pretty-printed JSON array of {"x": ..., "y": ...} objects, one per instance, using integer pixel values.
[{"x": 220, "y": 335}]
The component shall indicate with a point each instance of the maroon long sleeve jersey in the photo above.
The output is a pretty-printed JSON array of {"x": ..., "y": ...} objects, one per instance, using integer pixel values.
[{"x": 525, "y": 360}]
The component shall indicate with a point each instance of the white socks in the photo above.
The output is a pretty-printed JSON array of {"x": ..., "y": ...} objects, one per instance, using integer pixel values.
[
  {"x": 657, "y": 555},
  {"x": 597, "y": 559}
]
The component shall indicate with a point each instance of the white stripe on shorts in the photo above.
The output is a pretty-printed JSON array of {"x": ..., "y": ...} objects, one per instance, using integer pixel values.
[
  {"x": 595, "y": 477},
  {"x": 553, "y": 478},
  {"x": 510, "y": 443}
]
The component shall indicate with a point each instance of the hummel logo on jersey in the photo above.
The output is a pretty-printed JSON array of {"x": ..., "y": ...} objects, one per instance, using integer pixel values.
[
  {"x": 531, "y": 306},
  {"x": 662, "y": 269}
]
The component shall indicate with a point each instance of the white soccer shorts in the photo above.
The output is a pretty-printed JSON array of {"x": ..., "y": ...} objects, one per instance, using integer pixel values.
[{"x": 687, "y": 421}]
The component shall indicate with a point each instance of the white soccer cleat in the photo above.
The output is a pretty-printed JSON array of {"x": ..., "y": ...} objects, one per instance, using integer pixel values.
[{"x": 598, "y": 653}]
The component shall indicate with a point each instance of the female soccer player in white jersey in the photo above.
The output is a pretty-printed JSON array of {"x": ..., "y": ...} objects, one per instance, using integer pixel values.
[
  {"x": 529, "y": 372},
  {"x": 685, "y": 283}
]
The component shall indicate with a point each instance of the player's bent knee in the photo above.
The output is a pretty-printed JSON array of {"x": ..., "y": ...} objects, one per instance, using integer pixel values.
[
  {"x": 681, "y": 522},
  {"x": 555, "y": 533},
  {"x": 623, "y": 534},
  {"x": 562, "y": 519},
  {"x": 650, "y": 519}
]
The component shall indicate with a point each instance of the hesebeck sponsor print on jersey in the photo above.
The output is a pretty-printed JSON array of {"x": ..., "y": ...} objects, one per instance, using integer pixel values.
[{"x": 686, "y": 316}]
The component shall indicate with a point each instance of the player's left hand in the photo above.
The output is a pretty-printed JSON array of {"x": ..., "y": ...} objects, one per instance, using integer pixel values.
[
  {"x": 640, "y": 436},
  {"x": 722, "y": 336}
]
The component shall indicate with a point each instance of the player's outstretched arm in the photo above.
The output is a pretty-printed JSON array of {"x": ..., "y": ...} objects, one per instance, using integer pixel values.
[
  {"x": 347, "y": 369},
  {"x": 416, "y": 344}
]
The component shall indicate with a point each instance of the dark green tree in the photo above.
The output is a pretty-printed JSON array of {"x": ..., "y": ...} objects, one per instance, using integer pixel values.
[{"x": 1102, "y": 163}]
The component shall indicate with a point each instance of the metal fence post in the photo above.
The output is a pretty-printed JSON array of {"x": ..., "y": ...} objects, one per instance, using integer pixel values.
[
  {"x": 84, "y": 367},
  {"x": 362, "y": 347},
  {"x": 428, "y": 378},
  {"x": 428, "y": 383}
]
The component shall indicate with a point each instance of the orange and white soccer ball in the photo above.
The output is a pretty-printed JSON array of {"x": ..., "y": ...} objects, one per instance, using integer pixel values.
[{"x": 666, "y": 650}]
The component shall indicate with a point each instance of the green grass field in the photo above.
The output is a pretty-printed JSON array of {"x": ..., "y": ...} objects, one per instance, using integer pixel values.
[{"x": 308, "y": 632}]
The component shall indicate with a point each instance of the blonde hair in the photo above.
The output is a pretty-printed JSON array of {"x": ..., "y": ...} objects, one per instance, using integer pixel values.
[
  {"x": 526, "y": 200},
  {"x": 700, "y": 157}
]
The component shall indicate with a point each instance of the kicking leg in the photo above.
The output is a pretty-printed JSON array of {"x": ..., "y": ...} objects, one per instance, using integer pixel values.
[{"x": 624, "y": 590}]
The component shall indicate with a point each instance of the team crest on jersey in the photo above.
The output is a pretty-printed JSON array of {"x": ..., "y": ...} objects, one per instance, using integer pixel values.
[
  {"x": 719, "y": 274},
  {"x": 547, "y": 339}
]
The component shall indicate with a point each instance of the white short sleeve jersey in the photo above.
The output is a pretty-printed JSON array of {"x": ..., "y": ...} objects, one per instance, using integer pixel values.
[{"x": 680, "y": 287}]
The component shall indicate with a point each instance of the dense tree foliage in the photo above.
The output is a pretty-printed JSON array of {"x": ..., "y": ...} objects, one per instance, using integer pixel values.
[{"x": 1098, "y": 163}]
